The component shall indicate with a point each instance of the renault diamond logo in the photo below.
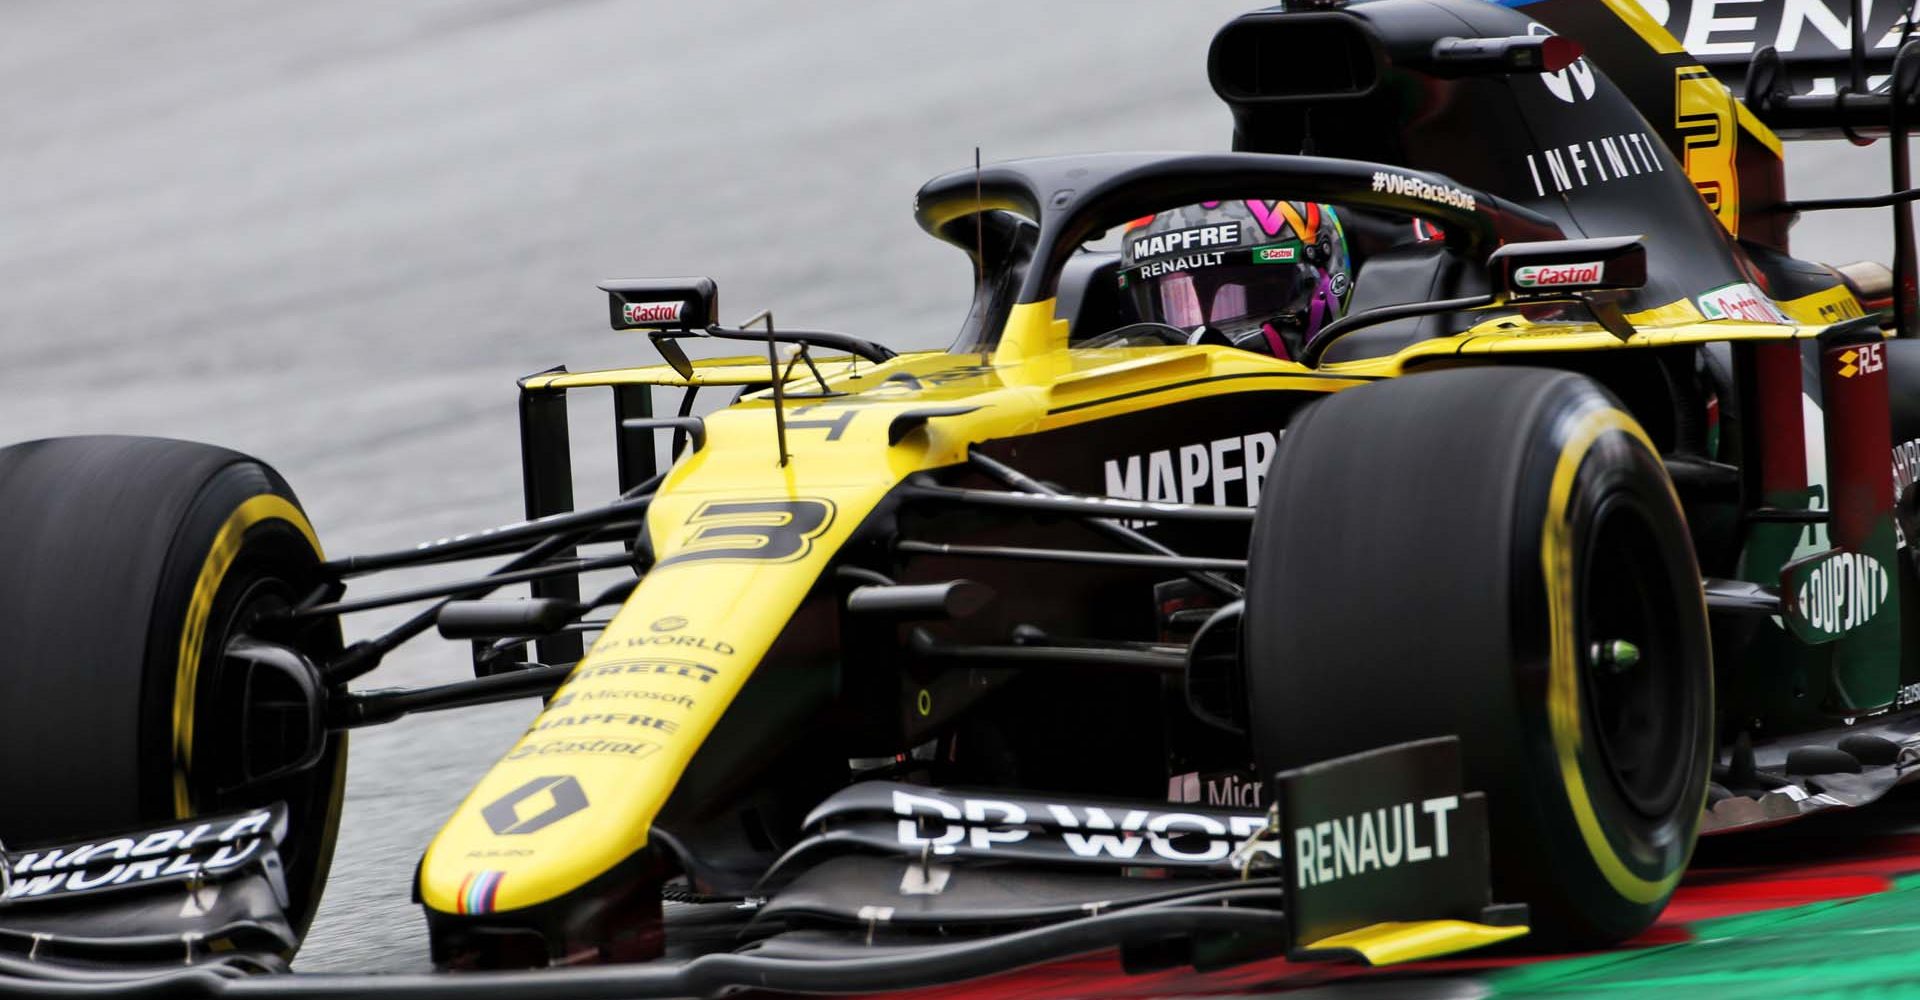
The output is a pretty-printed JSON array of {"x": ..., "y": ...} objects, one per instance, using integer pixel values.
[{"x": 535, "y": 805}]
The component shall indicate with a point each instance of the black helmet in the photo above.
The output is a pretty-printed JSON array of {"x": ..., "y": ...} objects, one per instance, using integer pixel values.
[{"x": 1266, "y": 275}]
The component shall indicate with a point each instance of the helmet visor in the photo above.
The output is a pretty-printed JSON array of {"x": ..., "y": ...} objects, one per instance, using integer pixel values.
[{"x": 1226, "y": 296}]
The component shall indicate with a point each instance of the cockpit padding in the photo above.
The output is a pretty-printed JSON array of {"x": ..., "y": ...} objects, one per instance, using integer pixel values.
[
  {"x": 1411, "y": 272},
  {"x": 1089, "y": 296}
]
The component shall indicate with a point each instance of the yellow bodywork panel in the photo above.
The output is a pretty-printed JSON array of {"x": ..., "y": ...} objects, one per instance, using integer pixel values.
[
  {"x": 1674, "y": 324},
  {"x": 1414, "y": 940},
  {"x": 741, "y": 539}
]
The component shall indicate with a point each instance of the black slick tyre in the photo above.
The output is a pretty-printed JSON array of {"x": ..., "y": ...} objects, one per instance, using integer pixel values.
[
  {"x": 1461, "y": 552},
  {"x": 127, "y": 564}
]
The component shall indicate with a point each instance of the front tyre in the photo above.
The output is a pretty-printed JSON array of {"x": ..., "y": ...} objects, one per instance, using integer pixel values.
[
  {"x": 1495, "y": 554},
  {"x": 127, "y": 567}
]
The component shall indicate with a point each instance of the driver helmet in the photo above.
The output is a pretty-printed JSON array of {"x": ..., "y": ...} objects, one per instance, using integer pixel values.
[{"x": 1265, "y": 275}]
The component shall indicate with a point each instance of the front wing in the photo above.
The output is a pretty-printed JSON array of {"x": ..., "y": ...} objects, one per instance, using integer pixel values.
[{"x": 1380, "y": 857}]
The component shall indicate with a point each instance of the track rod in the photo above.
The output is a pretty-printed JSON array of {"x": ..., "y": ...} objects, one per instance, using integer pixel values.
[
  {"x": 1142, "y": 560},
  {"x": 370, "y": 708}
]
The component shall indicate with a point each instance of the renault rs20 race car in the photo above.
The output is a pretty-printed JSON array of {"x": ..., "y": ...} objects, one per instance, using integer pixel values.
[{"x": 1405, "y": 533}]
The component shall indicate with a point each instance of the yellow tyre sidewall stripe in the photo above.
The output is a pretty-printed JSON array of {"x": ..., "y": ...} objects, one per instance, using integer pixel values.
[
  {"x": 1563, "y": 680},
  {"x": 213, "y": 571}
]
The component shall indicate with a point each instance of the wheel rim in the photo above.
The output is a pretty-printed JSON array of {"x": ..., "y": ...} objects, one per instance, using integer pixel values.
[{"x": 1640, "y": 712}]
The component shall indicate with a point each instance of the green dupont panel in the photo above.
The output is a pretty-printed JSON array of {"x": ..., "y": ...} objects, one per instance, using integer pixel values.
[{"x": 1852, "y": 948}]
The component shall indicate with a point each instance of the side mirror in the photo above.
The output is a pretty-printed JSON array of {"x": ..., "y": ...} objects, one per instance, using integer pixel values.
[
  {"x": 661, "y": 303},
  {"x": 1452, "y": 56},
  {"x": 1556, "y": 269}
]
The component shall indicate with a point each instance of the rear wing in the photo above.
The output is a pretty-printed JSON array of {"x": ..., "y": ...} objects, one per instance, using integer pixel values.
[
  {"x": 1800, "y": 69},
  {"x": 1831, "y": 69},
  {"x": 1811, "y": 69}
]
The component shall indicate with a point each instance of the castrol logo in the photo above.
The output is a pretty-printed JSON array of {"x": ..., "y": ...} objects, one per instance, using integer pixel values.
[
  {"x": 1556, "y": 275},
  {"x": 651, "y": 312}
]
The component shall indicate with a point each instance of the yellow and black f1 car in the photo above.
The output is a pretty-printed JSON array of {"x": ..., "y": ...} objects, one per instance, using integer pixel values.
[{"x": 1579, "y": 532}]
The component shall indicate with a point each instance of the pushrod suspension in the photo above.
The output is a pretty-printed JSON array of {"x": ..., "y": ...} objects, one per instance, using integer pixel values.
[
  {"x": 493, "y": 541},
  {"x": 362, "y": 657},
  {"x": 490, "y": 581}
]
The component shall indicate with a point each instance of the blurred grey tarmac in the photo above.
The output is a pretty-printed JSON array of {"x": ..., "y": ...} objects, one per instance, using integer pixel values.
[{"x": 333, "y": 234}]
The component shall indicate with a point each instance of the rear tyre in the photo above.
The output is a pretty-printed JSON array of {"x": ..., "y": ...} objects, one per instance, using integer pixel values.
[
  {"x": 1456, "y": 553},
  {"x": 127, "y": 565}
]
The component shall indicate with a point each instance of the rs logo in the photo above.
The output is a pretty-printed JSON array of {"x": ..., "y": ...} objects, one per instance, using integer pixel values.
[
  {"x": 752, "y": 530},
  {"x": 1867, "y": 359}
]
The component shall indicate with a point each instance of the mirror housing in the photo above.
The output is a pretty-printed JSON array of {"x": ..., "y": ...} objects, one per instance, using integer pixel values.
[
  {"x": 661, "y": 303},
  {"x": 1455, "y": 57},
  {"x": 1557, "y": 269}
]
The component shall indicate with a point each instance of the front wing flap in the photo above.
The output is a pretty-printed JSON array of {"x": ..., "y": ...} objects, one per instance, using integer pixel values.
[{"x": 207, "y": 888}]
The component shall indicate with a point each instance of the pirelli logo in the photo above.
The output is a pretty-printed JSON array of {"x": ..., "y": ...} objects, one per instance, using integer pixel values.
[{"x": 659, "y": 667}]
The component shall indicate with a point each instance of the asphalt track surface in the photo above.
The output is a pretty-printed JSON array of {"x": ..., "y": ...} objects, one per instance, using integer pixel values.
[{"x": 331, "y": 235}]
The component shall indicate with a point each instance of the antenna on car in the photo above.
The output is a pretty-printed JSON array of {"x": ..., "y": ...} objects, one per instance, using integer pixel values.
[
  {"x": 979, "y": 231},
  {"x": 773, "y": 370}
]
